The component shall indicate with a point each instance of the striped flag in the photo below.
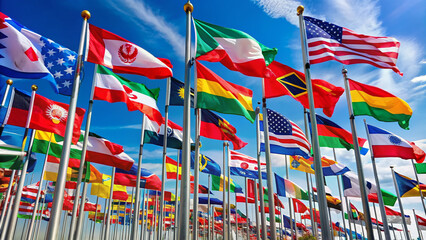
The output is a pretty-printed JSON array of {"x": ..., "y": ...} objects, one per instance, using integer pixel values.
[
  {"x": 245, "y": 166},
  {"x": 327, "y": 41},
  {"x": 29, "y": 193},
  {"x": 285, "y": 137},
  {"x": 396, "y": 217}
]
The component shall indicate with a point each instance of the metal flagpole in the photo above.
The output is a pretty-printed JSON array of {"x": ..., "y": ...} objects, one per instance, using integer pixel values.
[
  {"x": 377, "y": 222},
  {"x": 96, "y": 218},
  {"x": 393, "y": 229},
  {"x": 421, "y": 192},
  {"x": 9, "y": 82},
  {"x": 404, "y": 223},
  {"x": 229, "y": 193},
  {"x": 319, "y": 179},
  {"x": 163, "y": 166},
  {"x": 63, "y": 166},
  {"x": 108, "y": 216},
  {"x": 417, "y": 224},
  {"x": 331, "y": 223},
  {"x": 281, "y": 225},
  {"x": 186, "y": 143},
  {"x": 64, "y": 226},
  {"x": 360, "y": 170},
  {"x": 376, "y": 178},
  {"x": 341, "y": 198},
  {"x": 225, "y": 230},
  {"x": 143, "y": 213},
  {"x": 208, "y": 207},
  {"x": 33, "y": 217},
  {"x": 290, "y": 212},
  {"x": 247, "y": 212},
  {"x": 7, "y": 203},
  {"x": 273, "y": 227},
  {"x": 259, "y": 171},
  {"x": 236, "y": 219},
  {"x": 134, "y": 232},
  {"x": 155, "y": 233},
  {"x": 103, "y": 220},
  {"x": 313, "y": 203},
  {"x": 349, "y": 219},
  {"x": 256, "y": 207},
  {"x": 175, "y": 232},
  {"x": 76, "y": 222},
  {"x": 196, "y": 174},
  {"x": 11, "y": 222}
]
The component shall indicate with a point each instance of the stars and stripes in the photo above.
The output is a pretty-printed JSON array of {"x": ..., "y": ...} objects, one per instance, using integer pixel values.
[{"x": 327, "y": 41}]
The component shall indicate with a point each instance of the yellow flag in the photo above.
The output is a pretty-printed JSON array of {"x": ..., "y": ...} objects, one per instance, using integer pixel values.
[
  {"x": 102, "y": 190},
  {"x": 301, "y": 164}
]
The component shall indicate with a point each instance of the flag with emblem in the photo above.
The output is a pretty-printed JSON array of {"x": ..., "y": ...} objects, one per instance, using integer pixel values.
[
  {"x": 215, "y": 127},
  {"x": 285, "y": 137},
  {"x": 287, "y": 81},
  {"x": 110, "y": 50},
  {"x": 153, "y": 136},
  {"x": 177, "y": 92},
  {"x": 207, "y": 165},
  {"x": 103, "y": 189},
  {"x": 245, "y": 166},
  {"x": 113, "y": 88},
  {"x": 327, "y": 41},
  {"x": 26, "y": 54},
  {"x": 386, "y": 144},
  {"x": 47, "y": 115}
]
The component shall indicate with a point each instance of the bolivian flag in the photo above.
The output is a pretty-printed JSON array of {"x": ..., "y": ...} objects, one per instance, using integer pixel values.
[{"x": 217, "y": 184}]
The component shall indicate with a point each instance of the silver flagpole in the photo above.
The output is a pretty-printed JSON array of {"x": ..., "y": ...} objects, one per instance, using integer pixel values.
[
  {"x": 33, "y": 217},
  {"x": 7, "y": 204},
  {"x": 319, "y": 179},
  {"x": 163, "y": 166},
  {"x": 421, "y": 192},
  {"x": 269, "y": 173},
  {"x": 247, "y": 212},
  {"x": 313, "y": 203},
  {"x": 259, "y": 172},
  {"x": 175, "y": 232},
  {"x": 9, "y": 82},
  {"x": 143, "y": 212},
  {"x": 196, "y": 173},
  {"x": 236, "y": 219},
  {"x": 76, "y": 223},
  {"x": 229, "y": 193},
  {"x": 360, "y": 170},
  {"x": 393, "y": 229},
  {"x": 341, "y": 198},
  {"x": 134, "y": 231},
  {"x": 108, "y": 216},
  {"x": 379, "y": 233},
  {"x": 417, "y": 225},
  {"x": 292, "y": 231},
  {"x": 349, "y": 219},
  {"x": 208, "y": 207},
  {"x": 10, "y": 228},
  {"x": 404, "y": 223},
  {"x": 225, "y": 230},
  {"x": 96, "y": 218},
  {"x": 101, "y": 234},
  {"x": 379, "y": 192},
  {"x": 186, "y": 143},
  {"x": 63, "y": 166},
  {"x": 256, "y": 206}
]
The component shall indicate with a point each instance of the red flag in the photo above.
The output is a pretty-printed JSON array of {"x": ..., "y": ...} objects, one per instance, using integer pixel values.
[
  {"x": 71, "y": 184},
  {"x": 299, "y": 206},
  {"x": 267, "y": 210}
]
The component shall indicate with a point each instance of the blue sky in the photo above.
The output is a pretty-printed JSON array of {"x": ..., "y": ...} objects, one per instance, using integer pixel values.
[{"x": 159, "y": 27}]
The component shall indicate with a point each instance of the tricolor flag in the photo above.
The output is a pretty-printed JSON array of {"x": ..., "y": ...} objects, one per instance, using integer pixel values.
[
  {"x": 236, "y": 50},
  {"x": 113, "y": 88},
  {"x": 129, "y": 178},
  {"x": 387, "y": 144},
  {"x": 287, "y": 188},
  {"x": 122, "y": 56},
  {"x": 153, "y": 136},
  {"x": 245, "y": 166},
  {"x": 395, "y": 217},
  {"x": 90, "y": 173},
  {"x": 217, "y": 184}
]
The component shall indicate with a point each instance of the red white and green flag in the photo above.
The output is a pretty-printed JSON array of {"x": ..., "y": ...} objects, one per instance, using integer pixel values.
[
  {"x": 235, "y": 49},
  {"x": 113, "y": 88}
]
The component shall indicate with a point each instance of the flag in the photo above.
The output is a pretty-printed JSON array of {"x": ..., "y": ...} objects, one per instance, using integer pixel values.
[
  {"x": 29, "y": 193},
  {"x": 333, "y": 136},
  {"x": 103, "y": 189},
  {"x": 245, "y": 166},
  {"x": 421, "y": 221},
  {"x": 389, "y": 198},
  {"x": 218, "y": 95},
  {"x": 174, "y": 134},
  {"x": 236, "y": 50},
  {"x": 47, "y": 115},
  {"x": 207, "y": 165},
  {"x": 92, "y": 207},
  {"x": 387, "y": 144},
  {"x": 129, "y": 178},
  {"x": 177, "y": 92},
  {"x": 217, "y": 184},
  {"x": 201, "y": 189},
  {"x": 215, "y": 127},
  {"x": 11, "y": 154},
  {"x": 286, "y": 188},
  {"x": 172, "y": 169},
  {"x": 301, "y": 164},
  {"x": 355, "y": 214},
  {"x": 351, "y": 186},
  {"x": 383, "y": 106},
  {"x": 287, "y": 81},
  {"x": 90, "y": 173},
  {"x": 285, "y": 137},
  {"x": 241, "y": 197},
  {"x": 332, "y": 202},
  {"x": 327, "y": 41},
  {"x": 299, "y": 206},
  {"x": 122, "y": 56},
  {"x": 395, "y": 217},
  {"x": 113, "y": 88},
  {"x": 99, "y": 150},
  {"x": 407, "y": 186},
  {"x": 329, "y": 167},
  {"x": 420, "y": 168},
  {"x": 26, "y": 54}
]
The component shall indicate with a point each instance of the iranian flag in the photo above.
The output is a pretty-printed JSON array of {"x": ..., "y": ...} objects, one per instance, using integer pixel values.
[
  {"x": 122, "y": 56},
  {"x": 235, "y": 49},
  {"x": 112, "y": 88}
]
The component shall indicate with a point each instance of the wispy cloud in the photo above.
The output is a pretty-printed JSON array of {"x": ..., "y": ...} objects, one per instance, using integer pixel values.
[
  {"x": 154, "y": 20},
  {"x": 281, "y": 9},
  {"x": 423, "y": 61},
  {"x": 419, "y": 79}
]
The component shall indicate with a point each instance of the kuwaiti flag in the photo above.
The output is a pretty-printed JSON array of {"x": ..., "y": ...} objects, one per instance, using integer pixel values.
[
  {"x": 387, "y": 144},
  {"x": 153, "y": 136},
  {"x": 395, "y": 217},
  {"x": 122, "y": 56},
  {"x": 245, "y": 166},
  {"x": 113, "y": 88}
]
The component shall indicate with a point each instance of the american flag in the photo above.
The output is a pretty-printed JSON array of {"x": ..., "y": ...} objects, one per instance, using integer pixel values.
[
  {"x": 327, "y": 41},
  {"x": 285, "y": 137}
]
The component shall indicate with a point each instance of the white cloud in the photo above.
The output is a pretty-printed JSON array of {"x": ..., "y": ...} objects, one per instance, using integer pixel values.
[
  {"x": 153, "y": 167},
  {"x": 423, "y": 61},
  {"x": 281, "y": 9},
  {"x": 419, "y": 79}
]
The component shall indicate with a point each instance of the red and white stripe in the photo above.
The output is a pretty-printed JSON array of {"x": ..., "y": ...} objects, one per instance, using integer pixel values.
[
  {"x": 241, "y": 197},
  {"x": 396, "y": 217},
  {"x": 237, "y": 159},
  {"x": 30, "y": 191}
]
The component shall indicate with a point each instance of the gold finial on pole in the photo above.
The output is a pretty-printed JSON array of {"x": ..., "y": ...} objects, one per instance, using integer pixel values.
[
  {"x": 85, "y": 14},
  {"x": 188, "y": 7},
  {"x": 9, "y": 81},
  {"x": 34, "y": 87},
  {"x": 300, "y": 9}
]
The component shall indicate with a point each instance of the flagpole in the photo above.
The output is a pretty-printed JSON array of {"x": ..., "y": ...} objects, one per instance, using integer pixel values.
[
  {"x": 290, "y": 213},
  {"x": 33, "y": 217},
  {"x": 236, "y": 218},
  {"x": 341, "y": 198},
  {"x": 10, "y": 224},
  {"x": 224, "y": 229},
  {"x": 63, "y": 166},
  {"x": 229, "y": 193},
  {"x": 96, "y": 218},
  {"x": 404, "y": 223},
  {"x": 208, "y": 207},
  {"x": 256, "y": 206},
  {"x": 7, "y": 203},
  {"x": 417, "y": 224},
  {"x": 175, "y": 232},
  {"x": 9, "y": 82},
  {"x": 186, "y": 143},
  {"x": 319, "y": 179},
  {"x": 349, "y": 219},
  {"x": 108, "y": 217},
  {"x": 248, "y": 227},
  {"x": 379, "y": 233},
  {"x": 144, "y": 206},
  {"x": 313, "y": 203},
  {"x": 418, "y": 183},
  {"x": 259, "y": 172},
  {"x": 196, "y": 173},
  {"x": 143, "y": 212}
]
